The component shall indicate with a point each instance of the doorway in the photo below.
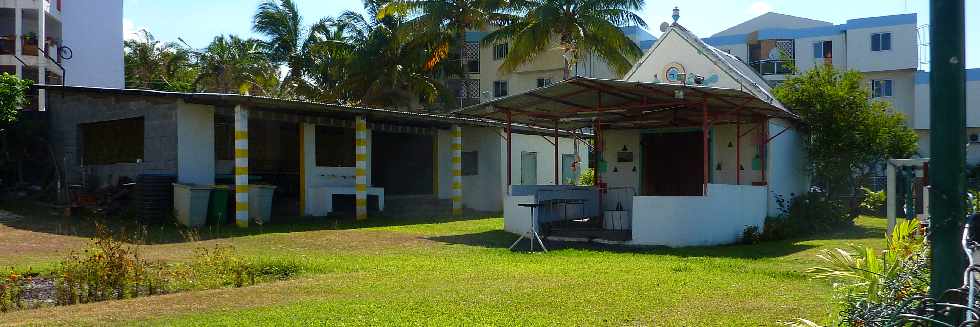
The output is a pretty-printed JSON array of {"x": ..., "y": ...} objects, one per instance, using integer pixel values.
[
  {"x": 673, "y": 164},
  {"x": 402, "y": 163},
  {"x": 529, "y": 168}
]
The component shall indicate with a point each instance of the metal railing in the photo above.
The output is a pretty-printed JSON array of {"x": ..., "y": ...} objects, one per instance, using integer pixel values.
[{"x": 773, "y": 66}]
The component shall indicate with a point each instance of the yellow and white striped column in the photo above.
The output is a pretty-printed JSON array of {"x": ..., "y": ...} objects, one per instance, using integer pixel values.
[
  {"x": 457, "y": 160},
  {"x": 241, "y": 166},
  {"x": 360, "y": 170}
]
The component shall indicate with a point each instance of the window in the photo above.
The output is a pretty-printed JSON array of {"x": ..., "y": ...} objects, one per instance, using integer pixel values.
[
  {"x": 542, "y": 82},
  {"x": 881, "y": 41},
  {"x": 499, "y": 51},
  {"x": 499, "y": 89},
  {"x": 111, "y": 142},
  {"x": 334, "y": 146},
  {"x": 473, "y": 66},
  {"x": 881, "y": 88},
  {"x": 471, "y": 166},
  {"x": 823, "y": 49}
]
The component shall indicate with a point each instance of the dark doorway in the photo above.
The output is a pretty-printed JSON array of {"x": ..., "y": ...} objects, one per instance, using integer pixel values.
[
  {"x": 673, "y": 164},
  {"x": 402, "y": 163}
]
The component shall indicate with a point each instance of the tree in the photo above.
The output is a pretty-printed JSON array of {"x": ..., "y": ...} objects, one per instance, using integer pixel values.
[
  {"x": 13, "y": 96},
  {"x": 849, "y": 135},
  {"x": 591, "y": 26},
  {"x": 288, "y": 41},
  {"x": 151, "y": 64},
  {"x": 230, "y": 65}
]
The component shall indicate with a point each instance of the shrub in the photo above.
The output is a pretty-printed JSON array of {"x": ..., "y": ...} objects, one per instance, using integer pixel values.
[
  {"x": 750, "y": 235},
  {"x": 873, "y": 202},
  {"x": 109, "y": 270},
  {"x": 587, "y": 178},
  {"x": 873, "y": 288},
  {"x": 806, "y": 214},
  {"x": 12, "y": 291}
]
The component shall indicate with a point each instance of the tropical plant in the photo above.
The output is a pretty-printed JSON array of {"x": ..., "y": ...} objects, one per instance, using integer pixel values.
[
  {"x": 587, "y": 178},
  {"x": 872, "y": 288},
  {"x": 577, "y": 26},
  {"x": 849, "y": 135},
  {"x": 151, "y": 64},
  {"x": 390, "y": 67},
  {"x": 873, "y": 202},
  {"x": 229, "y": 65},
  {"x": 13, "y": 96},
  {"x": 288, "y": 41}
]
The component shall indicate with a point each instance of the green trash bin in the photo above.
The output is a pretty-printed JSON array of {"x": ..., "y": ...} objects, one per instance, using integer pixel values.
[{"x": 218, "y": 205}]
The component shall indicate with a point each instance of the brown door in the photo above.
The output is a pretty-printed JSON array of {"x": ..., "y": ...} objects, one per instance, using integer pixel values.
[{"x": 673, "y": 164}]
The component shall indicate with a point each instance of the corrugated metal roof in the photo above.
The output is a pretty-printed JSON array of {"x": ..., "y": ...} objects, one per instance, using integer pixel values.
[
  {"x": 578, "y": 102},
  {"x": 312, "y": 108}
]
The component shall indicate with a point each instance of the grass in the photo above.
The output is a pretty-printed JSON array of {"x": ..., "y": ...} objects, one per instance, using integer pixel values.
[{"x": 392, "y": 271}]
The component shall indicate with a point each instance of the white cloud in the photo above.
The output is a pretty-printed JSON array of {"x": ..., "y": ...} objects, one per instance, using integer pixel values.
[
  {"x": 130, "y": 29},
  {"x": 759, "y": 8}
]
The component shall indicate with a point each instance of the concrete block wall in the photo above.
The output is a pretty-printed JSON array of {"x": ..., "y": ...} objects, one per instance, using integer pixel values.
[{"x": 69, "y": 110}]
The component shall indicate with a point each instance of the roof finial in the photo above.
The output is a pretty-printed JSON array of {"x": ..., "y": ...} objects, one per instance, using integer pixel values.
[{"x": 676, "y": 15}]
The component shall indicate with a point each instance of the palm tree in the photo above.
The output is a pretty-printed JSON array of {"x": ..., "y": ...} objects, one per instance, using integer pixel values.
[
  {"x": 151, "y": 64},
  {"x": 447, "y": 21},
  {"x": 287, "y": 43},
  {"x": 579, "y": 25},
  {"x": 391, "y": 66},
  {"x": 229, "y": 65}
]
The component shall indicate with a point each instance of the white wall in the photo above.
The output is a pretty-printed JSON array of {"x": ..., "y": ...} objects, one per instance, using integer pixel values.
[
  {"x": 93, "y": 30},
  {"x": 722, "y": 135},
  {"x": 718, "y": 218},
  {"x": 903, "y": 55},
  {"x": 785, "y": 165},
  {"x": 903, "y": 91},
  {"x": 804, "y": 52},
  {"x": 481, "y": 192},
  {"x": 195, "y": 144},
  {"x": 673, "y": 48},
  {"x": 921, "y": 117},
  {"x": 546, "y": 156}
]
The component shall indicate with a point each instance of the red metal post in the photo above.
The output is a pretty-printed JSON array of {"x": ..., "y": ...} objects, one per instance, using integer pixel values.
[
  {"x": 704, "y": 146},
  {"x": 509, "y": 164},
  {"x": 557, "y": 164},
  {"x": 738, "y": 146}
]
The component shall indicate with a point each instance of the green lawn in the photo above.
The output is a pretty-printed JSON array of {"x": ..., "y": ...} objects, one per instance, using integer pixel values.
[{"x": 459, "y": 272}]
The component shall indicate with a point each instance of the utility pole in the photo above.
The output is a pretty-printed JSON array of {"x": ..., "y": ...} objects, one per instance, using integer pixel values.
[{"x": 947, "y": 116}]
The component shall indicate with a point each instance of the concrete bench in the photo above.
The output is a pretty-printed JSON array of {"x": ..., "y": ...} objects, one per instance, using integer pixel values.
[{"x": 323, "y": 197}]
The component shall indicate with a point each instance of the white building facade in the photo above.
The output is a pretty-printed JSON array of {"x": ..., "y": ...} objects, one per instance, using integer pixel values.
[
  {"x": 78, "y": 47},
  {"x": 886, "y": 50}
]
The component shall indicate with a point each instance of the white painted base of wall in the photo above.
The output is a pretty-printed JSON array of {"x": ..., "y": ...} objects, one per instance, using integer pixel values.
[
  {"x": 322, "y": 198},
  {"x": 718, "y": 218}
]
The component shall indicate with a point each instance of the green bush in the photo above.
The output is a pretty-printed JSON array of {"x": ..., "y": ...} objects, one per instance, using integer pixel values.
[
  {"x": 587, "y": 178},
  {"x": 806, "y": 214},
  {"x": 750, "y": 235},
  {"x": 873, "y": 203},
  {"x": 12, "y": 291}
]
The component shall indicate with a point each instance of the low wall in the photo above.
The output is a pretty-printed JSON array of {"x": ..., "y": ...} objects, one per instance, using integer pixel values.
[
  {"x": 517, "y": 219},
  {"x": 718, "y": 218}
]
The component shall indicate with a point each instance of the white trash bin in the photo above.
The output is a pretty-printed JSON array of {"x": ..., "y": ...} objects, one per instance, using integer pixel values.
[
  {"x": 260, "y": 202},
  {"x": 191, "y": 204}
]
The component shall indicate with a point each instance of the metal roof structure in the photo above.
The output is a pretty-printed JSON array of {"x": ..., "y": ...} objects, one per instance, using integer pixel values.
[
  {"x": 580, "y": 102},
  {"x": 342, "y": 111}
]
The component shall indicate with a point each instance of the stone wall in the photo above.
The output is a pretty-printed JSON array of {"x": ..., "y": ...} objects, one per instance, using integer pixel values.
[{"x": 70, "y": 109}]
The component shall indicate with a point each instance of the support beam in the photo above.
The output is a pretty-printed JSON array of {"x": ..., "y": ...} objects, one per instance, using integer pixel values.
[
  {"x": 302, "y": 168},
  {"x": 457, "y": 167},
  {"x": 360, "y": 168},
  {"x": 510, "y": 138},
  {"x": 738, "y": 147},
  {"x": 704, "y": 147},
  {"x": 241, "y": 166},
  {"x": 947, "y": 98},
  {"x": 557, "y": 163},
  {"x": 18, "y": 43},
  {"x": 890, "y": 189},
  {"x": 41, "y": 58}
]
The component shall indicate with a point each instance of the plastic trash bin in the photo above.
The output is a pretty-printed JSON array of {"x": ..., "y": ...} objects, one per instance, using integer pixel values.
[
  {"x": 260, "y": 202},
  {"x": 218, "y": 205},
  {"x": 191, "y": 204}
]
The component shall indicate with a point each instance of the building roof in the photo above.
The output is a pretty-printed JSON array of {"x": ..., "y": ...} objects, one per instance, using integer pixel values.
[
  {"x": 410, "y": 118},
  {"x": 579, "y": 102},
  {"x": 772, "y": 20},
  {"x": 746, "y": 77},
  {"x": 801, "y": 31}
]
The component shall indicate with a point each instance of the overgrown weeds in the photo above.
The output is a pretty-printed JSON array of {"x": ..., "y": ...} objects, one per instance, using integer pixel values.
[{"x": 12, "y": 291}]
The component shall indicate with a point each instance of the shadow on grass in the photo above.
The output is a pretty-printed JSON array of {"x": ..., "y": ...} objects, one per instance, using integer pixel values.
[
  {"x": 500, "y": 239},
  {"x": 43, "y": 219}
]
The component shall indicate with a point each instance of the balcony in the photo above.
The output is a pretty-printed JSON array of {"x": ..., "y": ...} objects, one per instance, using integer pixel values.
[
  {"x": 773, "y": 66},
  {"x": 8, "y": 44}
]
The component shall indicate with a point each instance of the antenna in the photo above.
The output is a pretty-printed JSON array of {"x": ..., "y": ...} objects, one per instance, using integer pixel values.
[{"x": 664, "y": 26}]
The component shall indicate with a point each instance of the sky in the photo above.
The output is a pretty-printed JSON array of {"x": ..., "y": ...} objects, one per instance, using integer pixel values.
[{"x": 197, "y": 22}]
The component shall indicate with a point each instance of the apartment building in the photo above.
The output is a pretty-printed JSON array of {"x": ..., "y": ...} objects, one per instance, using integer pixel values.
[
  {"x": 484, "y": 81},
  {"x": 885, "y": 49},
  {"x": 62, "y": 41}
]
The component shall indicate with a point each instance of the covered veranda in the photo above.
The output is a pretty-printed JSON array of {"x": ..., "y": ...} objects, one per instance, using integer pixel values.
[{"x": 676, "y": 164}]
